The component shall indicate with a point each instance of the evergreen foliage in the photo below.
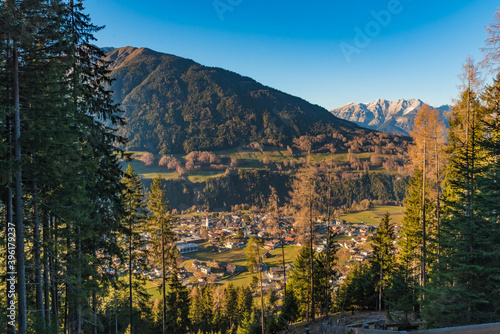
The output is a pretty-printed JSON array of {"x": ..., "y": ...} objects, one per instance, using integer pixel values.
[
  {"x": 174, "y": 105},
  {"x": 177, "y": 307},
  {"x": 466, "y": 280},
  {"x": 68, "y": 170},
  {"x": 300, "y": 285},
  {"x": 162, "y": 238},
  {"x": 383, "y": 258},
  {"x": 359, "y": 290}
]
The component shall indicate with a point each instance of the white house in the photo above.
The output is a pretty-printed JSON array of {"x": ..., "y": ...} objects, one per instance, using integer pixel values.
[
  {"x": 187, "y": 248},
  {"x": 206, "y": 270}
]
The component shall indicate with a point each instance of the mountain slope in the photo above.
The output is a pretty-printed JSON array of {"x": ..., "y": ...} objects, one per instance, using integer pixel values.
[
  {"x": 385, "y": 116},
  {"x": 175, "y": 105}
]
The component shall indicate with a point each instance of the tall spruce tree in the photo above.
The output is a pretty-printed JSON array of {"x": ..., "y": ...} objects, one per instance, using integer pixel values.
[
  {"x": 195, "y": 310},
  {"x": 134, "y": 226},
  {"x": 466, "y": 271},
  {"x": 410, "y": 255},
  {"x": 384, "y": 256},
  {"x": 163, "y": 238},
  {"x": 177, "y": 306},
  {"x": 489, "y": 182},
  {"x": 300, "y": 284},
  {"x": 231, "y": 305},
  {"x": 359, "y": 291}
]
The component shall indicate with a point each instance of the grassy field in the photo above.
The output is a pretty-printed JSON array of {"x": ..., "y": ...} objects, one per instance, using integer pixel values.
[
  {"x": 234, "y": 256},
  {"x": 291, "y": 253},
  {"x": 242, "y": 279},
  {"x": 148, "y": 172},
  {"x": 203, "y": 176},
  {"x": 250, "y": 159},
  {"x": 152, "y": 288},
  {"x": 237, "y": 256},
  {"x": 374, "y": 215}
]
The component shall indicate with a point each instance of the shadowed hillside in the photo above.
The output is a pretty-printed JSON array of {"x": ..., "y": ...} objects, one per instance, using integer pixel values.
[{"x": 174, "y": 105}]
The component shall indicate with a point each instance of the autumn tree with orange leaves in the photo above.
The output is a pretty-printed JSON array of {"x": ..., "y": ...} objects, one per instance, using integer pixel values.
[{"x": 422, "y": 206}]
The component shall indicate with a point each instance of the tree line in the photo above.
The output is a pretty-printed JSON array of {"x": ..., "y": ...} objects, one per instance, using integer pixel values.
[
  {"x": 70, "y": 214},
  {"x": 445, "y": 270},
  {"x": 60, "y": 183}
]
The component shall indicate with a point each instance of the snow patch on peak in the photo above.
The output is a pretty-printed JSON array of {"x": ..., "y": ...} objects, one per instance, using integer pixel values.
[{"x": 383, "y": 115}]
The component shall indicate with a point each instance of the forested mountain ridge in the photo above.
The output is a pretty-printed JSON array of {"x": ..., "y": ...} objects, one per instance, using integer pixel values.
[{"x": 175, "y": 105}]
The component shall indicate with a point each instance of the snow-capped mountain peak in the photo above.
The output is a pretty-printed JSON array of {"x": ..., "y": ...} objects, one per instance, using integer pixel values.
[{"x": 383, "y": 115}]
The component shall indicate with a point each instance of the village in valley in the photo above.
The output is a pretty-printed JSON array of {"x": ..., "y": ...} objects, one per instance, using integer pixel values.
[{"x": 211, "y": 247}]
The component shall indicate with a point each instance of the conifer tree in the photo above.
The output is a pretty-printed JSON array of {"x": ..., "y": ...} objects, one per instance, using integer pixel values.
[
  {"x": 245, "y": 301},
  {"x": 489, "y": 179},
  {"x": 66, "y": 147},
  {"x": 290, "y": 310},
  {"x": 383, "y": 259},
  {"x": 134, "y": 220},
  {"x": 231, "y": 305},
  {"x": 402, "y": 296},
  {"x": 461, "y": 293},
  {"x": 410, "y": 254},
  {"x": 300, "y": 284},
  {"x": 161, "y": 233},
  {"x": 207, "y": 308},
  {"x": 249, "y": 324},
  {"x": 359, "y": 290},
  {"x": 195, "y": 310},
  {"x": 177, "y": 303}
]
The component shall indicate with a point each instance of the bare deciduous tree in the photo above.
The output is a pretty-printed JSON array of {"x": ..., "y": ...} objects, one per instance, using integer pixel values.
[{"x": 147, "y": 158}]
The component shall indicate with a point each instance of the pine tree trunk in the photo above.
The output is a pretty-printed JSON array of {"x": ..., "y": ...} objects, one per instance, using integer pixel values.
[
  {"x": 68, "y": 310},
  {"x": 94, "y": 311},
  {"x": 18, "y": 204},
  {"x": 46, "y": 268},
  {"x": 283, "y": 265},
  {"x": 327, "y": 266},
  {"x": 78, "y": 307},
  {"x": 261, "y": 293},
  {"x": 380, "y": 291},
  {"x": 311, "y": 249},
  {"x": 438, "y": 191},
  {"x": 38, "y": 263},
  {"x": 53, "y": 273}
]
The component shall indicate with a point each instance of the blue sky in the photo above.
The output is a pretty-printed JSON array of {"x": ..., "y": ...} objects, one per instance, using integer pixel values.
[{"x": 327, "y": 52}]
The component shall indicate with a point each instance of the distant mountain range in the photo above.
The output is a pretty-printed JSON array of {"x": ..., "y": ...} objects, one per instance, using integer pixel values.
[
  {"x": 385, "y": 116},
  {"x": 175, "y": 105}
]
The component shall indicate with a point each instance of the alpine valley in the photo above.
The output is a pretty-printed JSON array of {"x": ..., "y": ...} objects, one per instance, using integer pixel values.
[{"x": 221, "y": 139}]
